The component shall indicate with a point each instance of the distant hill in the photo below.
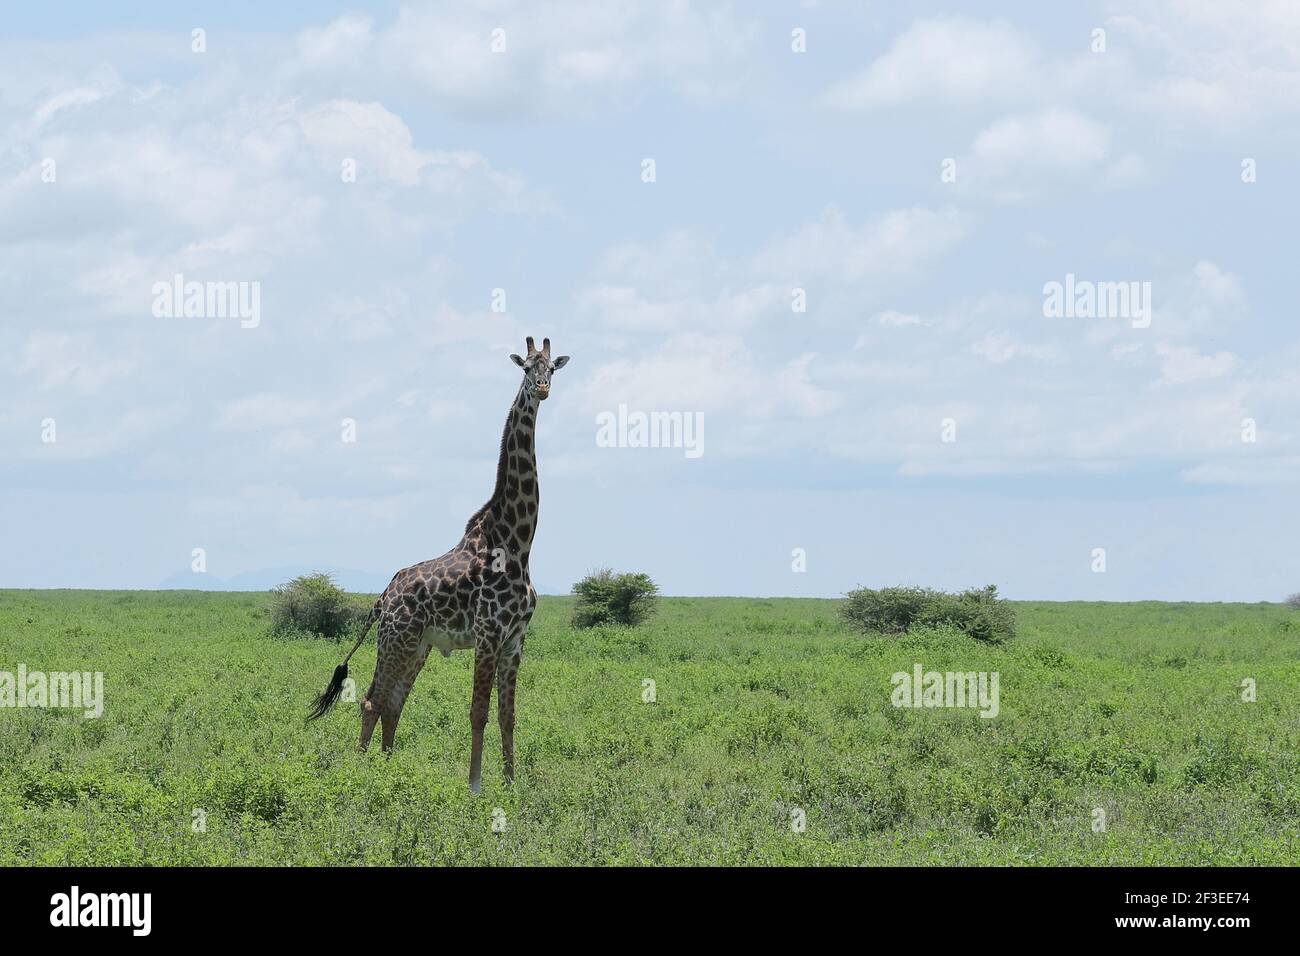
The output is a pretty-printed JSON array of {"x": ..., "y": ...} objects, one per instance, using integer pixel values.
[{"x": 263, "y": 579}]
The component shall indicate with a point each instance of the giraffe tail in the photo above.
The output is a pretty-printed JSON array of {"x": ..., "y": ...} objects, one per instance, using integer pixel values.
[{"x": 329, "y": 697}]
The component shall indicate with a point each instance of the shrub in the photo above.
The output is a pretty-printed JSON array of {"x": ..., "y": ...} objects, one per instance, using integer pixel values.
[
  {"x": 311, "y": 603},
  {"x": 979, "y": 612},
  {"x": 1293, "y": 602},
  {"x": 889, "y": 610},
  {"x": 608, "y": 598}
]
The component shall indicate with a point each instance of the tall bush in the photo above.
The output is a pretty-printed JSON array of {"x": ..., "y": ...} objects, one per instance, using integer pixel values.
[
  {"x": 978, "y": 612},
  {"x": 608, "y": 598},
  {"x": 311, "y": 604}
]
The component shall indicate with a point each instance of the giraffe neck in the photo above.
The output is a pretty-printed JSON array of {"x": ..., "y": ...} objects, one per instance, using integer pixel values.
[{"x": 512, "y": 508}]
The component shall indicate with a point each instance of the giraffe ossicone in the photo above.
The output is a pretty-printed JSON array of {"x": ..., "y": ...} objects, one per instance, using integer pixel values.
[{"x": 476, "y": 595}]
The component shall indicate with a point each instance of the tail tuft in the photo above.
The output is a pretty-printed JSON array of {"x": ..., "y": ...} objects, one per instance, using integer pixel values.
[{"x": 326, "y": 700}]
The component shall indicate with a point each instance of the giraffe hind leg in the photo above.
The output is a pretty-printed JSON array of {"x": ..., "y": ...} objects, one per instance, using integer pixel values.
[
  {"x": 382, "y": 697},
  {"x": 389, "y": 722},
  {"x": 405, "y": 661},
  {"x": 369, "y": 717}
]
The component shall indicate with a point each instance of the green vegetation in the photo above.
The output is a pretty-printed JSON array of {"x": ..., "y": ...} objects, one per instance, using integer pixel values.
[
  {"x": 979, "y": 612},
  {"x": 761, "y": 707},
  {"x": 311, "y": 604},
  {"x": 608, "y": 598}
]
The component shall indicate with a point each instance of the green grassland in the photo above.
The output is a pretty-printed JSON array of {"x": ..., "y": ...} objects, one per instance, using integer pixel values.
[{"x": 763, "y": 706}]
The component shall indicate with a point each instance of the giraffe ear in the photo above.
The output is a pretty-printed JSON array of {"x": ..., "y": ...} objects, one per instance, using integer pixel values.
[
  {"x": 560, "y": 362},
  {"x": 517, "y": 360}
]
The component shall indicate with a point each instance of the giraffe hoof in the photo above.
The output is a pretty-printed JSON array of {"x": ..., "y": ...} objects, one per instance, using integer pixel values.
[{"x": 474, "y": 788}]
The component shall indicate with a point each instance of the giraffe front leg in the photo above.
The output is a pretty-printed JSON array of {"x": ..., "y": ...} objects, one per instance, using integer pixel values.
[
  {"x": 485, "y": 662},
  {"x": 507, "y": 673}
]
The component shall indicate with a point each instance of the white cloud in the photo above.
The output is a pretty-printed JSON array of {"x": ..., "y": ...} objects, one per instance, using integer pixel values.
[
  {"x": 1205, "y": 301},
  {"x": 268, "y": 410},
  {"x": 679, "y": 281},
  {"x": 1214, "y": 63},
  {"x": 951, "y": 61},
  {"x": 83, "y": 438},
  {"x": 556, "y": 59},
  {"x": 625, "y": 308},
  {"x": 999, "y": 347},
  {"x": 337, "y": 42},
  {"x": 794, "y": 384},
  {"x": 1180, "y": 364},
  {"x": 62, "y": 360},
  {"x": 1058, "y": 138},
  {"x": 710, "y": 374},
  {"x": 1018, "y": 156},
  {"x": 894, "y": 317},
  {"x": 896, "y": 243},
  {"x": 1179, "y": 60},
  {"x": 80, "y": 96},
  {"x": 678, "y": 261},
  {"x": 285, "y": 508},
  {"x": 368, "y": 132},
  {"x": 1247, "y": 472}
]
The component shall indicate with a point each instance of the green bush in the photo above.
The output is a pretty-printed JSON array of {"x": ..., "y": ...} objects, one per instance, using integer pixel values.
[
  {"x": 608, "y": 598},
  {"x": 889, "y": 610},
  {"x": 978, "y": 612},
  {"x": 312, "y": 604}
]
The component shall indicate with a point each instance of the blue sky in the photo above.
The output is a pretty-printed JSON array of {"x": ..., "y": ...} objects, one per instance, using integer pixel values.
[{"x": 775, "y": 170}]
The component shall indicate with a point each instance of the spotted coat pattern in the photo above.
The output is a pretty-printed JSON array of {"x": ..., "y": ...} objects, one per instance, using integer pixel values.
[{"x": 476, "y": 595}]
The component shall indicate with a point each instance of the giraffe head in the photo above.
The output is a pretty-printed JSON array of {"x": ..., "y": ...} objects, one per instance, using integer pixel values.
[{"x": 538, "y": 367}]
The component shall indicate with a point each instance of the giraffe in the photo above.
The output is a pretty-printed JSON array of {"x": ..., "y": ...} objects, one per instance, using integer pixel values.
[{"x": 476, "y": 595}]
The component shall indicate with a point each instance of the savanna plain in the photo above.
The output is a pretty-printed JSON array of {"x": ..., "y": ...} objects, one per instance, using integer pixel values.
[{"x": 1125, "y": 734}]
